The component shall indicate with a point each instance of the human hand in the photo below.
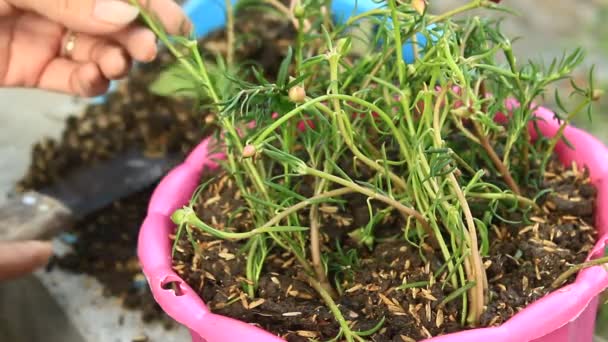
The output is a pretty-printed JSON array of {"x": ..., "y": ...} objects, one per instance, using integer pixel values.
[
  {"x": 77, "y": 46},
  {"x": 23, "y": 257}
]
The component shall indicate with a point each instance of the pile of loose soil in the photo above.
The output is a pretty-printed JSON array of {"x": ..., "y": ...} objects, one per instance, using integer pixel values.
[
  {"x": 105, "y": 249},
  {"x": 105, "y": 242},
  {"x": 523, "y": 260}
]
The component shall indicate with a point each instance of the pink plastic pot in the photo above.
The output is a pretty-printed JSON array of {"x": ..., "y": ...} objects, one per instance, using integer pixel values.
[{"x": 566, "y": 315}]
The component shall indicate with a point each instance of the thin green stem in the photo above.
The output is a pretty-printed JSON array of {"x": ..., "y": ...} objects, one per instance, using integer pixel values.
[
  {"x": 465, "y": 8},
  {"x": 405, "y": 211},
  {"x": 398, "y": 135},
  {"x": 315, "y": 233},
  {"x": 348, "y": 140},
  {"x": 299, "y": 47},
  {"x": 564, "y": 276},
  {"x": 458, "y": 292},
  {"x": 203, "y": 76},
  {"x": 249, "y": 267},
  {"x": 560, "y": 133},
  {"x": 194, "y": 221},
  {"x": 398, "y": 43},
  {"x": 349, "y": 335},
  {"x": 415, "y": 47},
  {"x": 334, "y": 62},
  {"x": 505, "y": 196},
  {"x": 310, "y": 201},
  {"x": 229, "y": 33},
  {"x": 476, "y": 270}
]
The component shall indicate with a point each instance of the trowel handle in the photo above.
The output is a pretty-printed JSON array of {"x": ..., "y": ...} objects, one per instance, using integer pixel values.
[{"x": 33, "y": 216}]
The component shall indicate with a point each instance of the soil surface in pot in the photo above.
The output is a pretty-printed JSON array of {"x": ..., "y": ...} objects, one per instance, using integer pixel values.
[
  {"x": 522, "y": 261},
  {"x": 105, "y": 243}
]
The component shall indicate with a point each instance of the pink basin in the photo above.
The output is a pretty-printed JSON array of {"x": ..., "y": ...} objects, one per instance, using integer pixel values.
[{"x": 566, "y": 315}]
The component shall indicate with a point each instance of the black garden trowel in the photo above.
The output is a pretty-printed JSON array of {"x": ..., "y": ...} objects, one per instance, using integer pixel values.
[{"x": 44, "y": 213}]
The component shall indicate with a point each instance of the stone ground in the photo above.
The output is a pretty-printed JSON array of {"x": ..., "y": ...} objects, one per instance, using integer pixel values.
[{"x": 65, "y": 301}]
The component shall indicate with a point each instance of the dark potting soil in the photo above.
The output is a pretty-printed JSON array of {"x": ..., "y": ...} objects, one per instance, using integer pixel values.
[
  {"x": 523, "y": 261},
  {"x": 105, "y": 249},
  {"x": 104, "y": 243}
]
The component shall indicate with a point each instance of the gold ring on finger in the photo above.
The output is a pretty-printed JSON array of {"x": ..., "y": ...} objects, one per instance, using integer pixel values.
[{"x": 69, "y": 44}]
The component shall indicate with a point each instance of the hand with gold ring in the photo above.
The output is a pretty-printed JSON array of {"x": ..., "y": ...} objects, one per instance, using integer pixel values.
[{"x": 77, "y": 46}]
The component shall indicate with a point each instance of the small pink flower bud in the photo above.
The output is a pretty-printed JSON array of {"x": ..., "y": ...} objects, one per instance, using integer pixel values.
[
  {"x": 297, "y": 94},
  {"x": 419, "y": 5},
  {"x": 249, "y": 151},
  {"x": 597, "y": 94}
]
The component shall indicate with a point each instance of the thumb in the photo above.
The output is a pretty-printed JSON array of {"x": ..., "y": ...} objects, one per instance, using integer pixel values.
[
  {"x": 22, "y": 257},
  {"x": 87, "y": 16}
]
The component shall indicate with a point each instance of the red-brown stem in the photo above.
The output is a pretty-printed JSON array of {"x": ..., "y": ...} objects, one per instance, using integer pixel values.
[
  {"x": 485, "y": 143},
  {"x": 525, "y": 153},
  {"x": 288, "y": 11}
]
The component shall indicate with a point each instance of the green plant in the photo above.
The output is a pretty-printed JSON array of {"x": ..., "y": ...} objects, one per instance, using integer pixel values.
[{"x": 423, "y": 139}]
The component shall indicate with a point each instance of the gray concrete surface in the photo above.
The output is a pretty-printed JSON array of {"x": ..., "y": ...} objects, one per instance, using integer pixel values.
[
  {"x": 546, "y": 28},
  {"x": 55, "y": 306},
  {"x": 25, "y": 117},
  {"x": 18, "y": 321}
]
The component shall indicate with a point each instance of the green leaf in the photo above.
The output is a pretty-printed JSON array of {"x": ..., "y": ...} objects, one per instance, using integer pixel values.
[
  {"x": 258, "y": 200},
  {"x": 284, "y": 69},
  {"x": 559, "y": 103},
  {"x": 567, "y": 142},
  {"x": 284, "y": 190},
  {"x": 372, "y": 330},
  {"x": 298, "y": 80},
  {"x": 174, "y": 82},
  {"x": 309, "y": 62},
  {"x": 484, "y": 237},
  {"x": 259, "y": 76},
  {"x": 281, "y": 156}
]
